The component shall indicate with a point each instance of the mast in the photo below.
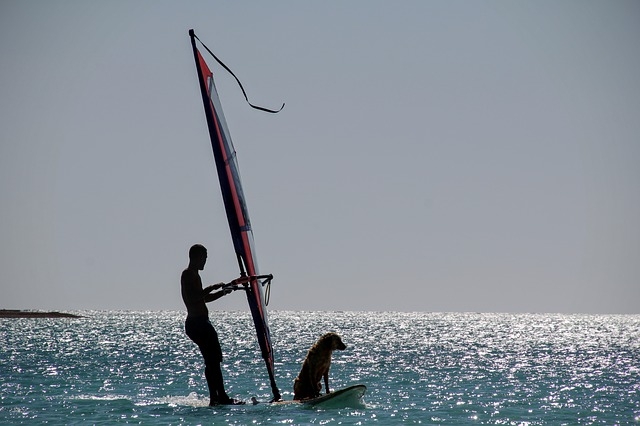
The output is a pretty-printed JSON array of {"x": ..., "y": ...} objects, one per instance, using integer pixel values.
[{"x": 235, "y": 208}]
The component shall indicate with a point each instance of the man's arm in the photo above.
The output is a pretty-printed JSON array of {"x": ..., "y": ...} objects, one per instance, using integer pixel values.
[
  {"x": 212, "y": 287},
  {"x": 210, "y": 297}
]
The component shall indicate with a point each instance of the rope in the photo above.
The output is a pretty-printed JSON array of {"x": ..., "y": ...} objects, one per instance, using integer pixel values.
[
  {"x": 267, "y": 293},
  {"x": 238, "y": 80}
]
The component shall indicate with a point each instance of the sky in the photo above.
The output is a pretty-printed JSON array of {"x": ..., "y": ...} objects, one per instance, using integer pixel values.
[{"x": 436, "y": 156}]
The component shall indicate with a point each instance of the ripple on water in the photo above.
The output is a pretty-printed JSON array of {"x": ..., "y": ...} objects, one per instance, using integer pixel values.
[{"x": 134, "y": 367}]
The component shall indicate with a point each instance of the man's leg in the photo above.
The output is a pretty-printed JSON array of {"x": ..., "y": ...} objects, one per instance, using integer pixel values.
[
  {"x": 209, "y": 374},
  {"x": 213, "y": 373},
  {"x": 204, "y": 335}
]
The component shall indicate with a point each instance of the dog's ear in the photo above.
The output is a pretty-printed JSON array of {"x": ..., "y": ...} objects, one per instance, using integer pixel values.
[{"x": 327, "y": 338}]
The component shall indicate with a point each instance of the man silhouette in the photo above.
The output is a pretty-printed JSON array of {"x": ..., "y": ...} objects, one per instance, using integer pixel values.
[{"x": 197, "y": 325}]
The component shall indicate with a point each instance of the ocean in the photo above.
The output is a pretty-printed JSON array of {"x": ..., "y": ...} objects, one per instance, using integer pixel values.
[{"x": 420, "y": 368}]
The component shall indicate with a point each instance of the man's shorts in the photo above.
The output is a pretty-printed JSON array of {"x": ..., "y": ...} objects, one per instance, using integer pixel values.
[{"x": 201, "y": 331}]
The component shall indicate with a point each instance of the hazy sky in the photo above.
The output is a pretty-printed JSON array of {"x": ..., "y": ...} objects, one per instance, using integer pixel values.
[{"x": 432, "y": 156}]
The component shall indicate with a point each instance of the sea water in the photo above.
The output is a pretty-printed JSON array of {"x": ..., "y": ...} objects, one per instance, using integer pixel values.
[{"x": 419, "y": 368}]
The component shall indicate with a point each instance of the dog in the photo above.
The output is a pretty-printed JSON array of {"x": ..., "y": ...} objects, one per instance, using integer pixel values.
[{"x": 316, "y": 366}]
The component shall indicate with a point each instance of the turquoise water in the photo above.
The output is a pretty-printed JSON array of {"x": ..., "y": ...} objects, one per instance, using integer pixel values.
[{"x": 420, "y": 368}]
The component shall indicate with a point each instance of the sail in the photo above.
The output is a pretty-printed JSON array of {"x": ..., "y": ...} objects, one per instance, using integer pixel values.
[{"x": 236, "y": 208}]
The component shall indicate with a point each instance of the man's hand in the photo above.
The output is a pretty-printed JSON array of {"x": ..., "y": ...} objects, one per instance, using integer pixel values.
[
  {"x": 212, "y": 287},
  {"x": 240, "y": 280}
]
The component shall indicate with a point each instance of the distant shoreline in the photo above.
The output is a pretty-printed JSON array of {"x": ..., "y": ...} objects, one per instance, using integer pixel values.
[{"x": 18, "y": 313}]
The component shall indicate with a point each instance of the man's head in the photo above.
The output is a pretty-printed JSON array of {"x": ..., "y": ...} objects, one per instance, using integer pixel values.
[{"x": 198, "y": 256}]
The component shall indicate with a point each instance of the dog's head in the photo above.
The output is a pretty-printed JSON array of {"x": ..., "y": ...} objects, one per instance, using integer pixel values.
[{"x": 333, "y": 341}]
